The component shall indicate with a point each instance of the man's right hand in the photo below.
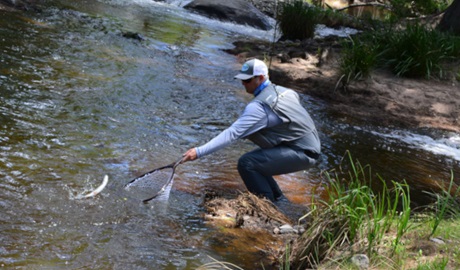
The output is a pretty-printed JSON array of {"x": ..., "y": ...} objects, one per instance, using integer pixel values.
[{"x": 189, "y": 155}]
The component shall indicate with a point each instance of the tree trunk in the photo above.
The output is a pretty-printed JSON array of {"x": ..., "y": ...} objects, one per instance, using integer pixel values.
[{"x": 451, "y": 19}]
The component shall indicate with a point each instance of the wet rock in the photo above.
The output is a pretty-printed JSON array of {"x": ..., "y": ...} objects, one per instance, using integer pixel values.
[
  {"x": 284, "y": 58},
  {"x": 300, "y": 229},
  {"x": 196, "y": 126},
  {"x": 237, "y": 11},
  {"x": 287, "y": 229},
  {"x": 133, "y": 35},
  {"x": 361, "y": 261},
  {"x": 438, "y": 241}
]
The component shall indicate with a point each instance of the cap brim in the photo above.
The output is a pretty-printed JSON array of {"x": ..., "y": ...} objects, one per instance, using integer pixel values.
[{"x": 243, "y": 76}]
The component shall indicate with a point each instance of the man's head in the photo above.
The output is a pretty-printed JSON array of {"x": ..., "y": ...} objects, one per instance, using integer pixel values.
[
  {"x": 252, "y": 74},
  {"x": 252, "y": 68}
]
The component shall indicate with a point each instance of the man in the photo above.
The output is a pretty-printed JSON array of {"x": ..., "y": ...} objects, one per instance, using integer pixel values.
[{"x": 276, "y": 122}]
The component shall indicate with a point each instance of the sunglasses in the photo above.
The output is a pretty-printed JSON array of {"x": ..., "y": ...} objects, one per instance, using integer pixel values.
[{"x": 248, "y": 80}]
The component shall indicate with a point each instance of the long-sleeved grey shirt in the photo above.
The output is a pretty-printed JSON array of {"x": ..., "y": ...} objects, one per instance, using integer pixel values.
[
  {"x": 274, "y": 117},
  {"x": 255, "y": 117}
]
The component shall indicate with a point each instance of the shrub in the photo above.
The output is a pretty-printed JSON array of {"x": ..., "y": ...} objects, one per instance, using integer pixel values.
[
  {"x": 413, "y": 52},
  {"x": 297, "y": 20},
  {"x": 418, "y": 52},
  {"x": 358, "y": 60}
]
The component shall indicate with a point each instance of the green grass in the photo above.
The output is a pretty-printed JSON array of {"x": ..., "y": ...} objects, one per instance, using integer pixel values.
[
  {"x": 358, "y": 60},
  {"x": 446, "y": 204},
  {"x": 354, "y": 216},
  {"x": 419, "y": 52},
  {"x": 379, "y": 222},
  {"x": 416, "y": 52}
]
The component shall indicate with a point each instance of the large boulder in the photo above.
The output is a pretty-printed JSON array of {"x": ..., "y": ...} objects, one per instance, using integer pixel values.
[{"x": 237, "y": 11}]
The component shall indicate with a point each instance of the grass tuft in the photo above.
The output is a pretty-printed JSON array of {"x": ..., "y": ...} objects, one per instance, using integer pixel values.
[
  {"x": 416, "y": 52},
  {"x": 354, "y": 217},
  {"x": 297, "y": 20}
]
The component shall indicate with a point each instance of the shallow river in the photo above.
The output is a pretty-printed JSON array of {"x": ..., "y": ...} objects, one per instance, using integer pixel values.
[{"x": 79, "y": 101}]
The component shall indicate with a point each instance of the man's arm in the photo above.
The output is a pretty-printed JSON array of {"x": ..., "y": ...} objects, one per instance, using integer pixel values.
[{"x": 253, "y": 119}]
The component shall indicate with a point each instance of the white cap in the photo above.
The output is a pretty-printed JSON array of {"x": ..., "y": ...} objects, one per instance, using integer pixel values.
[{"x": 252, "y": 68}]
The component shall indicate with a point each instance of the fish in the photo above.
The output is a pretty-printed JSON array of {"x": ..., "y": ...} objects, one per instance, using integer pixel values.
[{"x": 97, "y": 190}]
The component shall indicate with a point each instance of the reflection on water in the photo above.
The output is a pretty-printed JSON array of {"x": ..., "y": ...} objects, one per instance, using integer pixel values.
[{"x": 79, "y": 101}]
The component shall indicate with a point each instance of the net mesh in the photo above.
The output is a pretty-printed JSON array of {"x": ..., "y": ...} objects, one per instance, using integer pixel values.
[{"x": 149, "y": 184}]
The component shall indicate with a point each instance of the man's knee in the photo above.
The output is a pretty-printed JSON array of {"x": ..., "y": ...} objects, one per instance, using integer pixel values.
[{"x": 245, "y": 163}]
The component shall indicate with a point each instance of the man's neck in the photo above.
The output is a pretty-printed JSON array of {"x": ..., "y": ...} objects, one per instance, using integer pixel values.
[{"x": 261, "y": 87}]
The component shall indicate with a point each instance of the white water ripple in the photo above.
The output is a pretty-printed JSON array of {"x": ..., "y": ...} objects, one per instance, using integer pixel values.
[{"x": 448, "y": 146}]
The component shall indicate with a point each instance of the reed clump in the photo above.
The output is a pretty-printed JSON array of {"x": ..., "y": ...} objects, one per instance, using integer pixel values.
[{"x": 417, "y": 51}]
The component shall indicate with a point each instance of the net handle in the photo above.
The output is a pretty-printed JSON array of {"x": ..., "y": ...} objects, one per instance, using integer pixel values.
[{"x": 179, "y": 161}]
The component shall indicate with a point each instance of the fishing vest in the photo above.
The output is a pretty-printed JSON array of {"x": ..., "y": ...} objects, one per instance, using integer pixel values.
[{"x": 298, "y": 129}]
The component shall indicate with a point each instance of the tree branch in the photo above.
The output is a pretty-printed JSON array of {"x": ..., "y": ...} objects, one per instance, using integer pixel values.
[{"x": 366, "y": 5}]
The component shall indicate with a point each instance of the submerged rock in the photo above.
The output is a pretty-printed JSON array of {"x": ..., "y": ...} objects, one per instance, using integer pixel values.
[
  {"x": 133, "y": 35},
  {"x": 286, "y": 228}
]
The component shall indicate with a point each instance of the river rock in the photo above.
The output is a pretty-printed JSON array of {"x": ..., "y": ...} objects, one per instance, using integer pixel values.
[
  {"x": 287, "y": 229},
  {"x": 237, "y": 11},
  {"x": 438, "y": 241},
  {"x": 299, "y": 228},
  {"x": 133, "y": 35},
  {"x": 361, "y": 261}
]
